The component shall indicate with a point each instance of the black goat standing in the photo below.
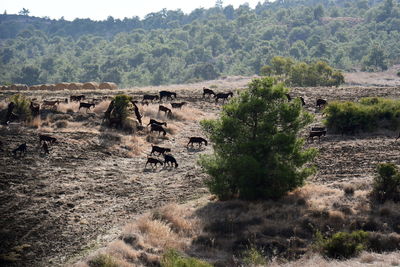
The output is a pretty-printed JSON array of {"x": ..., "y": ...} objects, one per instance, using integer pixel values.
[
  {"x": 153, "y": 121},
  {"x": 321, "y": 103},
  {"x": 207, "y": 91},
  {"x": 167, "y": 94},
  {"x": 170, "y": 161},
  {"x": 86, "y": 105},
  {"x": 159, "y": 150},
  {"x": 166, "y": 110},
  {"x": 223, "y": 96},
  {"x": 198, "y": 140},
  {"x": 157, "y": 128},
  {"x": 150, "y": 97},
  {"x": 22, "y": 148},
  {"x": 47, "y": 138},
  {"x": 153, "y": 162},
  {"x": 316, "y": 133}
]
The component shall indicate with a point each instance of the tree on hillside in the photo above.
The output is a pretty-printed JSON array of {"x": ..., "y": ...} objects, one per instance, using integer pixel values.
[
  {"x": 376, "y": 58},
  {"x": 24, "y": 12},
  {"x": 257, "y": 152}
]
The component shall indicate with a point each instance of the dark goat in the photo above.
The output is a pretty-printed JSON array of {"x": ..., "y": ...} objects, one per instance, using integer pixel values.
[
  {"x": 178, "y": 105},
  {"x": 46, "y": 138},
  {"x": 152, "y": 121},
  {"x": 159, "y": 150},
  {"x": 223, "y": 96},
  {"x": 289, "y": 98},
  {"x": 86, "y": 105},
  {"x": 22, "y": 148},
  {"x": 316, "y": 133},
  {"x": 166, "y": 110},
  {"x": 153, "y": 162},
  {"x": 76, "y": 98},
  {"x": 150, "y": 97},
  {"x": 167, "y": 94},
  {"x": 321, "y": 103},
  {"x": 302, "y": 100},
  {"x": 207, "y": 91},
  {"x": 137, "y": 112},
  {"x": 52, "y": 104},
  {"x": 35, "y": 109},
  {"x": 170, "y": 161},
  {"x": 319, "y": 128},
  {"x": 198, "y": 140},
  {"x": 157, "y": 128},
  {"x": 45, "y": 148}
]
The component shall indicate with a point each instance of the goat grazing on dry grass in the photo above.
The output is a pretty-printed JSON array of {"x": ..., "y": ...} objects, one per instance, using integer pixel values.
[
  {"x": 167, "y": 94},
  {"x": 150, "y": 97},
  {"x": 170, "y": 160},
  {"x": 153, "y": 162},
  {"x": 35, "y": 109},
  {"x": 47, "y": 138},
  {"x": 166, "y": 110},
  {"x": 76, "y": 98},
  {"x": 223, "y": 96},
  {"x": 178, "y": 105},
  {"x": 157, "y": 128},
  {"x": 198, "y": 140},
  {"x": 153, "y": 121},
  {"x": 316, "y": 133},
  {"x": 207, "y": 91},
  {"x": 86, "y": 105},
  {"x": 159, "y": 150},
  {"x": 50, "y": 104},
  {"x": 21, "y": 149},
  {"x": 321, "y": 103}
]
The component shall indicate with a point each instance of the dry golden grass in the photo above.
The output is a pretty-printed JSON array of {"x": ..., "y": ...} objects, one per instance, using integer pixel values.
[
  {"x": 101, "y": 107},
  {"x": 68, "y": 107}
]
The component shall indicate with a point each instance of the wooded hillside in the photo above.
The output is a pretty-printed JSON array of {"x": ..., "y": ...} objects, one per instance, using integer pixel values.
[{"x": 173, "y": 47}]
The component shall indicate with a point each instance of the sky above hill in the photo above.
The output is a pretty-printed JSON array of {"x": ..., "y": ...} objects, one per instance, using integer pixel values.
[{"x": 100, "y": 9}]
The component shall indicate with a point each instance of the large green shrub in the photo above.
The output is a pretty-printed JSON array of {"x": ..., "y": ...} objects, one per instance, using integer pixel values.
[
  {"x": 343, "y": 245},
  {"x": 173, "y": 259},
  {"x": 257, "y": 154},
  {"x": 22, "y": 107},
  {"x": 387, "y": 183},
  {"x": 367, "y": 115}
]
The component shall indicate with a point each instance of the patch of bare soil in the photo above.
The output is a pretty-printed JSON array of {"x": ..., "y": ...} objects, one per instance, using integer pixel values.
[
  {"x": 94, "y": 180},
  {"x": 383, "y": 78}
]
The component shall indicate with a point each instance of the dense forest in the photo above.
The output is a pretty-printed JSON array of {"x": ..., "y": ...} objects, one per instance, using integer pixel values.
[{"x": 172, "y": 47}]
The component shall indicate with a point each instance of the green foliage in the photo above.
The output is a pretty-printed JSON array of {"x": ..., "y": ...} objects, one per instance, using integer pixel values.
[
  {"x": 173, "y": 259},
  {"x": 342, "y": 245},
  {"x": 302, "y": 74},
  {"x": 22, "y": 107},
  {"x": 254, "y": 257},
  {"x": 257, "y": 154},
  {"x": 172, "y": 47},
  {"x": 122, "y": 107},
  {"x": 387, "y": 183},
  {"x": 103, "y": 260},
  {"x": 367, "y": 115}
]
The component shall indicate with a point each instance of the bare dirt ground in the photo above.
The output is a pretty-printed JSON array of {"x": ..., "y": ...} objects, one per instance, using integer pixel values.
[{"x": 57, "y": 206}]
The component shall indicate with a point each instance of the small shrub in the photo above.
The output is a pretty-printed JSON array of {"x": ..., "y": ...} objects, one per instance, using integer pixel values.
[
  {"x": 22, "y": 107},
  {"x": 386, "y": 183},
  {"x": 348, "y": 190},
  {"x": 343, "y": 245},
  {"x": 102, "y": 260},
  {"x": 254, "y": 257},
  {"x": 61, "y": 124},
  {"x": 173, "y": 259}
]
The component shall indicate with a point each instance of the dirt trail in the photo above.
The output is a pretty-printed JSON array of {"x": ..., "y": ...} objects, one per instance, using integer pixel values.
[{"x": 58, "y": 204}]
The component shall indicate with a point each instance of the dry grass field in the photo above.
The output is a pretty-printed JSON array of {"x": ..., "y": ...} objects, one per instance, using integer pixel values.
[{"x": 92, "y": 193}]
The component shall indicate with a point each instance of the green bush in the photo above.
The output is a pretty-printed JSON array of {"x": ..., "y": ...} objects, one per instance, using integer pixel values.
[
  {"x": 387, "y": 183},
  {"x": 257, "y": 154},
  {"x": 22, "y": 107},
  {"x": 343, "y": 245},
  {"x": 367, "y": 115},
  {"x": 102, "y": 260},
  {"x": 254, "y": 257},
  {"x": 173, "y": 259}
]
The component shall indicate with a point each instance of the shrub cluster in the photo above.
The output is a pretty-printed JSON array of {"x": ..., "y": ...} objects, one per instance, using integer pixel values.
[
  {"x": 21, "y": 108},
  {"x": 387, "y": 183},
  {"x": 343, "y": 245},
  {"x": 173, "y": 259},
  {"x": 366, "y": 115},
  {"x": 317, "y": 73}
]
